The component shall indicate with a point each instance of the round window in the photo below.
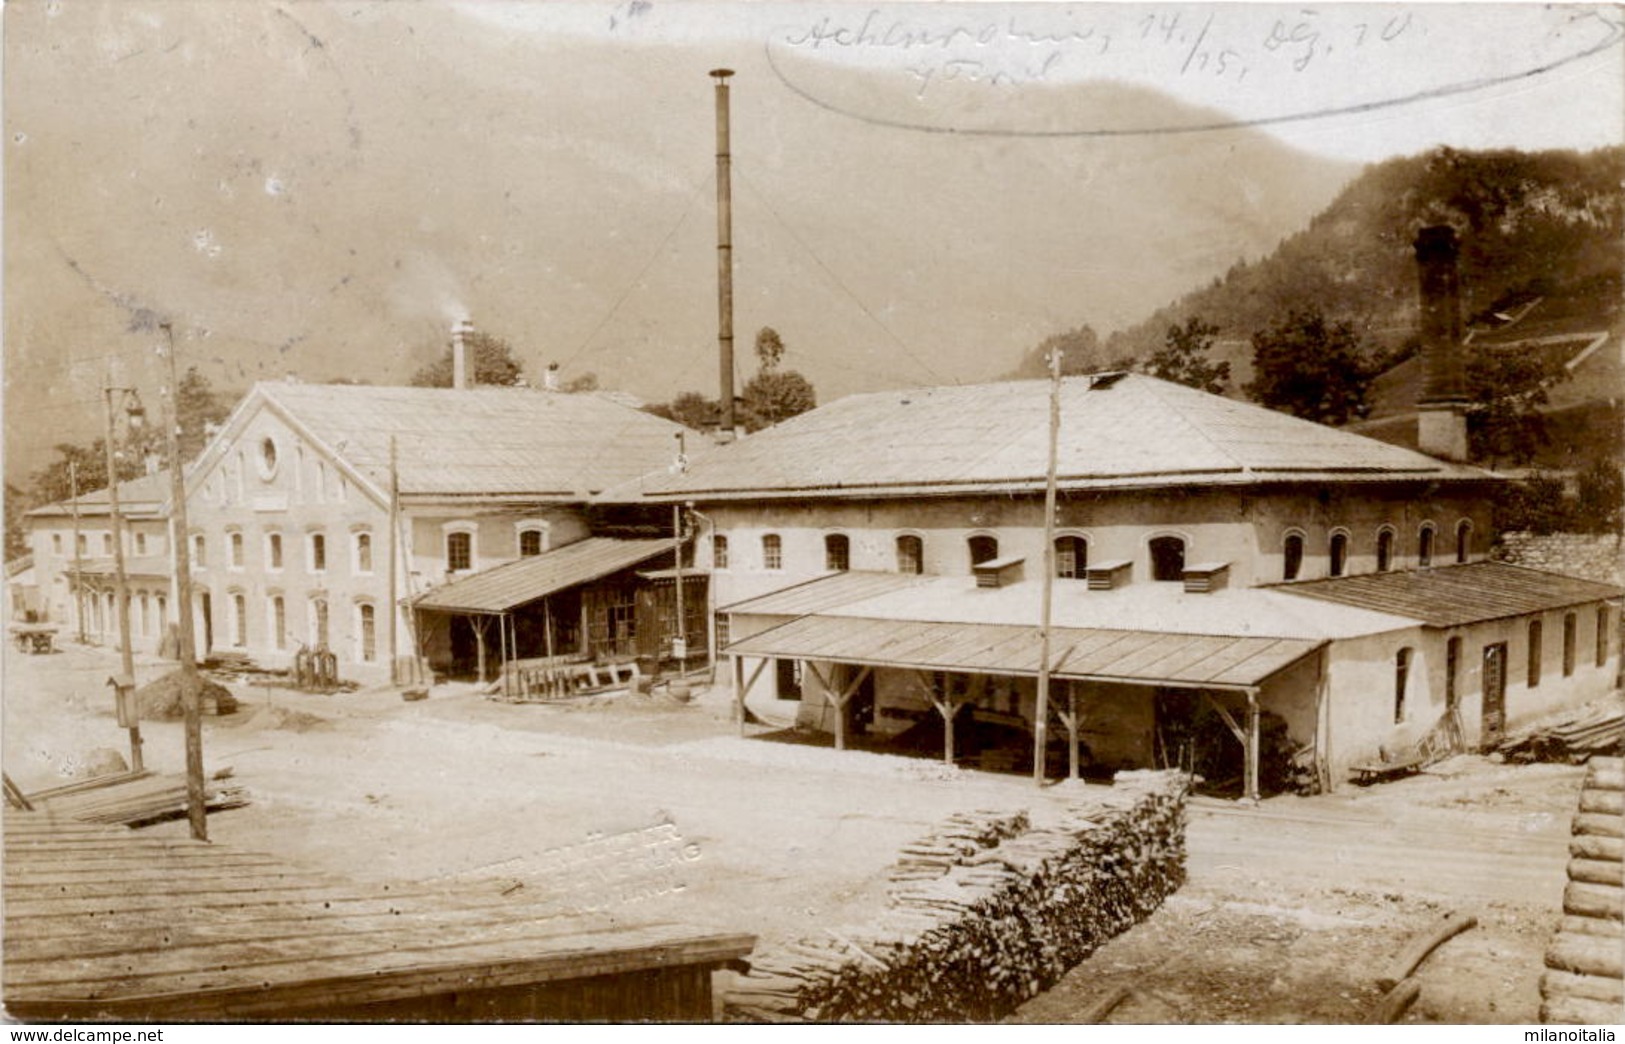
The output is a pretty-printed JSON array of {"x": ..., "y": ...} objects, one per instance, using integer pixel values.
[{"x": 267, "y": 457}]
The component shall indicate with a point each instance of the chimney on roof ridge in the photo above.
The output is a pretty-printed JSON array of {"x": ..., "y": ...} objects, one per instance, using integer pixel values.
[
  {"x": 550, "y": 380},
  {"x": 1442, "y": 406},
  {"x": 460, "y": 332}
]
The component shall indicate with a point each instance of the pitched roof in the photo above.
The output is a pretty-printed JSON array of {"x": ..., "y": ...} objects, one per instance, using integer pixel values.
[
  {"x": 504, "y": 441},
  {"x": 511, "y": 584},
  {"x": 1450, "y": 596},
  {"x": 140, "y": 495},
  {"x": 1091, "y": 654},
  {"x": 1126, "y": 430}
]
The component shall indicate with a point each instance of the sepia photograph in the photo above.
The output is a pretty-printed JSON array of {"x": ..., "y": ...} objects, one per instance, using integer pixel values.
[{"x": 812, "y": 513}]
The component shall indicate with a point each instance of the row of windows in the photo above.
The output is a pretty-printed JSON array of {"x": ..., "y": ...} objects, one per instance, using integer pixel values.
[
  {"x": 140, "y": 543},
  {"x": 1071, "y": 554},
  {"x": 460, "y": 545},
  {"x": 275, "y": 554},
  {"x": 1337, "y": 549},
  {"x": 276, "y": 624},
  {"x": 1532, "y": 676}
]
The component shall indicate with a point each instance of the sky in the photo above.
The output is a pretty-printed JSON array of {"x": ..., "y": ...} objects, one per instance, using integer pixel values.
[{"x": 921, "y": 193}]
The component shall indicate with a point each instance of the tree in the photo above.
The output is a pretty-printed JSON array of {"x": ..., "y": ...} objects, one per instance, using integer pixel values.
[
  {"x": 1081, "y": 352},
  {"x": 1183, "y": 358},
  {"x": 587, "y": 382},
  {"x": 690, "y": 409},
  {"x": 1310, "y": 368},
  {"x": 56, "y": 481},
  {"x": 1507, "y": 390},
  {"x": 16, "y": 537},
  {"x": 773, "y": 395},
  {"x": 198, "y": 406},
  {"x": 1601, "y": 486},
  {"x": 491, "y": 361}
]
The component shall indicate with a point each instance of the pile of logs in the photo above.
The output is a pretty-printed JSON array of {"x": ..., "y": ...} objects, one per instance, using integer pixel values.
[
  {"x": 1572, "y": 738},
  {"x": 1585, "y": 980},
  {"x": 983, "y": 914}
]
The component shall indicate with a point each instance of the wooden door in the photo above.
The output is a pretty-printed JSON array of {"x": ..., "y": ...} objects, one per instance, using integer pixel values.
[{"x": 1495, "y": 692}]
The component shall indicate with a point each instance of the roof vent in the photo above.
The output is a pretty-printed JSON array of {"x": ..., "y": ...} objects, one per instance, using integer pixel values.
[
  {"x": 1106, "y": 576},
  {"x": 1206, "y": 577},
  {"x": 998, "y": 572},
  {"x": 1102, "y": 381}
]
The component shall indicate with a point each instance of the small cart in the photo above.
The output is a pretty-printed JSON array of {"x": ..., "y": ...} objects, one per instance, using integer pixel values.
[{"x": 34, "y": 638}]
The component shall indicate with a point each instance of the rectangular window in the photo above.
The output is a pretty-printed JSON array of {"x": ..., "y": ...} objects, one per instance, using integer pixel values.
[
  {"x": 459, "y": 551},
  {"x": 239, "y": 621},
  {"x": 1533, "y": 673},
  {"x": 318, "y": 553},
  {"x": 363, "y": 552},
  {"x": 279, "y": 622},
  {"x": 720, "y": 628},
  {"x": 772, "y": 552},
  {"x": 56, "y": 543},
  {"x": 837, "y": 553},
  {"x": 1602, "y": 635},
  {"x": 273, "y": 551},
  {"x": 1571, "y": 630},
  {"x": 200, "y": 547},
  {"x": 141, "y": 543},
  {"x": 719, "y": 552},
  {"x": 530, "y": 542},
  {"x": 369, "y": 635},
  {"x": 910, "y": 554}
]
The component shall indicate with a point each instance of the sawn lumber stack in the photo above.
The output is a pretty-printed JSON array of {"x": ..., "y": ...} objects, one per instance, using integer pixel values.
[
  {"x": 1584, "y": 981},
  {"x": 984, "y": 913}
]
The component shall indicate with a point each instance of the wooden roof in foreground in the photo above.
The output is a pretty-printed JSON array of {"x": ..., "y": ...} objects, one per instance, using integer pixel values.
[{"x": 102, "y": 923}]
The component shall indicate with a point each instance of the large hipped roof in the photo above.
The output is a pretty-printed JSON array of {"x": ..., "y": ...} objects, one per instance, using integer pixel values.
[
  {"x": 480, "y": 441},
  {"x": 1118, "y": 431}
]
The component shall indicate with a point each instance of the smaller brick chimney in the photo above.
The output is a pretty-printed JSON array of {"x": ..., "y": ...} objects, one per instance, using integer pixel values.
[
  {"x": 1442, "y": 406},
  {"x": 460, "y": 331}
]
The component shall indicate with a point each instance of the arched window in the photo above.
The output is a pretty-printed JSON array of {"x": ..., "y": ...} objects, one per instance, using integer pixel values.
[
  {"x": 277, "y": 613},
  {"x": 1464, "y": 540},
  {"x": 1338, "y": 554},
  {"x": 719, "y": 552},
  {"x": 318, "y": 623},
  {"x": 318, "y": 553},
  {"x": 239, "y": 620},
  {"x": 273, "y": 550},
  {"x": 837, "y": 552},
  {"x": 363, "y": 552},
  {"x": 459, "y": 550},
  {"x": 1167, "y": 558},
  {"x": 1385, "y": 550},
  {"x": 1424, "y": 546},
  {"x": 910, "y": 554},
  {"x": 234, "y": 542},
  {"x": 1071, "y": 557},
  {"x": 1292, "y": 556},
  {"x": 982, "y": 549},
  {"x": 200, "y": 551},
  {"x": 772, "y": 551}
]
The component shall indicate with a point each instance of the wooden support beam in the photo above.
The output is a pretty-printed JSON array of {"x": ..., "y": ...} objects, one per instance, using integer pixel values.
[
  {"x": 839, "y": 699},
  {"x": 742, "y": 686},
  {"x": 1252, "y": 745}
]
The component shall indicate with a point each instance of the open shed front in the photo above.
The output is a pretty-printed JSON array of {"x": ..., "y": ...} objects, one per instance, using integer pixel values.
[
  {"x": 1118, "y": 699},
  {"x": 599, "y": 603}
]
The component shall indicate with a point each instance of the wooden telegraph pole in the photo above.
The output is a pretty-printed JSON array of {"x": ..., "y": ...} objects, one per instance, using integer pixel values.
[
  {"x": 191, "y": 684},
  {"x": 1041, "y": 707}
]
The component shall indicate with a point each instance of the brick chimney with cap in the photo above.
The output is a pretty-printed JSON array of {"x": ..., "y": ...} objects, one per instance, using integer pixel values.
[
  {"x": 1441, "y": 423},
  {"x": 461, "y": 330}
]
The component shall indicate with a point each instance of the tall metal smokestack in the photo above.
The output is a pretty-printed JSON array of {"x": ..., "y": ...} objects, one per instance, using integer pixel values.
[
  {"x": 460, "y": 331},
  {"x": 1442, "y": 405},
  {"x": 725, "y": 257}
]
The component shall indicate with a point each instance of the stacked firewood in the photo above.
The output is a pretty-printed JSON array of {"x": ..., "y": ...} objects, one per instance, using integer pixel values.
[
  {"x": 1571, "y": 737},
  {"x": 1585, "y": 980},
  {"x": 984, "y": 913}
]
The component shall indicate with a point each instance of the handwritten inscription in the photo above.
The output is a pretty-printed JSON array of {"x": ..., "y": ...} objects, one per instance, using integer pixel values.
[
  {"x": 1030, "y": 47},
  {"x": 616, "y": 869}
]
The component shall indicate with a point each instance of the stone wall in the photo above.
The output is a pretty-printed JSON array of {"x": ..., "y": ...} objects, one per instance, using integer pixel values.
[
  {"x": 1591, "y": 556},
  {"x": 984, "y": 913}
]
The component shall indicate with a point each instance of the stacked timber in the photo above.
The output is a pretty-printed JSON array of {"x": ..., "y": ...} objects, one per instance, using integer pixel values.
[
  {"x": 138, "y": 799},
  {"x": 1571, "y": 738},
  {"x": 983, "y": 914},
  {"x": 1585, "y": 980}
]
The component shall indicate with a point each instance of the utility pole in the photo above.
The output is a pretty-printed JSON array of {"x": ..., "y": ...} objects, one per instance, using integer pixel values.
[
  {"x": 191, "y": 688},
  {"x": 78, "y": 568},
  {"x": 394, "y": 551},
  {"x": 1041, "y": 707},
  {"x": 124, "y": 685},
  {"x": 680, "y": 645}
]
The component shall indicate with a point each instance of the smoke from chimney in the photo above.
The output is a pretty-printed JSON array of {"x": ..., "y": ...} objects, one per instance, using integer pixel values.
[
  {"x": 460, "y": 331},
  {"x": 1442, "y": 406}
]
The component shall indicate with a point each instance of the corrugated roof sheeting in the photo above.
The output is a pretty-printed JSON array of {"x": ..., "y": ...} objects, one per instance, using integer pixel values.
[
  {"x": 1140, "y": 430},
  {"x": 483, "y": 440},
  {"x": 1450, "y": 596},
  {"x": 512, "y": 584},
  {"x": 1134, "y": 656},
  {"x": 827, "y": 592}
]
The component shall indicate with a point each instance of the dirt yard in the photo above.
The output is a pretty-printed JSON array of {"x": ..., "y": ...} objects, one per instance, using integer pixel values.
[{"x": 1292, "y": 910}]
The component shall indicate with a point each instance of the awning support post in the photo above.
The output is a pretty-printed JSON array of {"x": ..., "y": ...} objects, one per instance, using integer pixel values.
[
  {"x": 1252, "y": 744},
  {"x": 1069, "y": 718},
  {"x": 838, "y": 699},
  {"x": 741, "y": 686}
]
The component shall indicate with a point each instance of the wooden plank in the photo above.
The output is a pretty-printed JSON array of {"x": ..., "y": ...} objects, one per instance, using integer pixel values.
[
  {"x": 1586, "y": 955},
  {"x": 1577, "y": 925},
  {"x": 1591, "y": 987},
  {"x": 1577, "y": 1011},
  {"x": 1599, "y": 824},
  {"x": 1596, "y": 871},
  {"x": 1591, "y": 846},
  {"x": 1593, "y": 900}
]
